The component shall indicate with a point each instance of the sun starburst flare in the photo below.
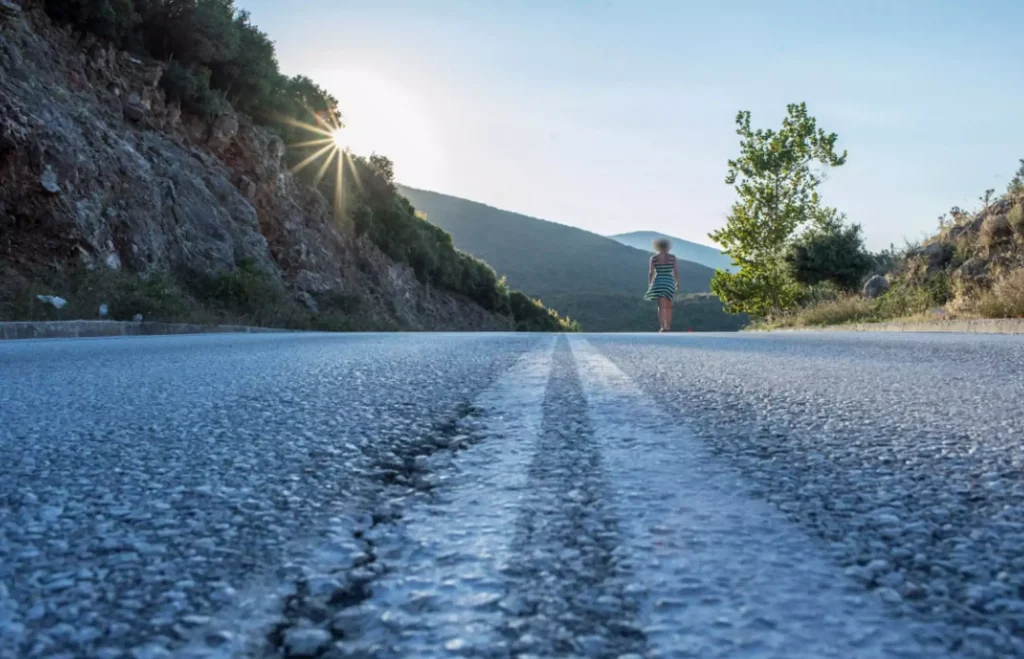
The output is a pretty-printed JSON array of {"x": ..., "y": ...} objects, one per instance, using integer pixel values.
[{"x": 328, "y": 149}]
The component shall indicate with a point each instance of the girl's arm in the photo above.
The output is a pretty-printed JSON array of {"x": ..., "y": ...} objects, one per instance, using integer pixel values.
[
  {"x": 675, "y": 271},
  {"x": 650, "y": 272}
]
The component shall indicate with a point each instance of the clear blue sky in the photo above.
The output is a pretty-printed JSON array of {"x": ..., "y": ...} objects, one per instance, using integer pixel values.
[{"x": 616, "y": 116}]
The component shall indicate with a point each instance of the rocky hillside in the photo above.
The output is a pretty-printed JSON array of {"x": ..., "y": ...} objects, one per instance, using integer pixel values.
[
  {"x": 110, "y": 194},
  {"x": 975, "y": 265},
  {"x": 972, "y": 268}
]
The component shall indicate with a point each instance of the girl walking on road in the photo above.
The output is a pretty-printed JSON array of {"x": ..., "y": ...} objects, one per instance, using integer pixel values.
[{"x": 663, "y": 282}]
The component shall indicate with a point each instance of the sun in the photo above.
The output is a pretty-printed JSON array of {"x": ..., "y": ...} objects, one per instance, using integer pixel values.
[
  {"x": 377, "y": 117},
  {"x": 338, "y": 136},
  {"x": 385, "y": 117}
]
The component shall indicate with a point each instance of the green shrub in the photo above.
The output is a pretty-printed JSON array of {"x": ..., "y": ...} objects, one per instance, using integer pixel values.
[
  {"x": 155, "y": 297},
  {"x": 250, "y": 294},
  {"x": 112, "y": 20},
  {"x": 338, "y": 301},
  {"x": 904, "y": 300},
  {"x": 833, "y": 252},
  {"x": 126, "y": 294},
  {"x": 191, "y": 88},
  {"x": 531, "y": 316},
  {"x": 213, "y": 51}
]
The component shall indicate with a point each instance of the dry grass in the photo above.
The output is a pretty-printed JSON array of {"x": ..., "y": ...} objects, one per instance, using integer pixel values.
[
  {"x": 853, "y": 309},
  {"x": 995, "y": 230},
  {"x": 1016, "y": 218},
  {"x": 1005, "y": 299}
]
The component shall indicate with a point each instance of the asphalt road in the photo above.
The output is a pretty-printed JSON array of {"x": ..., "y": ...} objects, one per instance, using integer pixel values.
[{"x": 512, "y": 495}]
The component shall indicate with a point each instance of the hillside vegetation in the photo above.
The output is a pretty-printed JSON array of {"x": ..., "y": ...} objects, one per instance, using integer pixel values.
[
  {"x": 544, "y": 257},
  {"x": 684, "y": 249},
  {"x": 590, "y": 278},
  {"x": 973, "y": 267},
  {"x": 801, "y": 264},
  {"x": 201, "y": 79}
]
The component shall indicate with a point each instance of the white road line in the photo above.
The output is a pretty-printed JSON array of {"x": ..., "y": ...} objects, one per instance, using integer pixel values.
[
  {"x": 720, "y": 573},
  {"x": 443, "y": 597}
]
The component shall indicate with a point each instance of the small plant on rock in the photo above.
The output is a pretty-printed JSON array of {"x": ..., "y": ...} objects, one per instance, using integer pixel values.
[{"x": 995, "y": 230}]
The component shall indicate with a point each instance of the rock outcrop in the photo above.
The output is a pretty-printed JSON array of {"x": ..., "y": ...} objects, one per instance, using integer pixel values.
[
  {"x": 876, "y": 287},
  {"x": 97, "y": 168}
]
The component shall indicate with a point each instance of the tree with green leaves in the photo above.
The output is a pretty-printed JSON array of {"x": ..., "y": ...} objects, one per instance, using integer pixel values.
[
  {"x": 776, "y": 180},
  {"x": 830, "y": 251}
]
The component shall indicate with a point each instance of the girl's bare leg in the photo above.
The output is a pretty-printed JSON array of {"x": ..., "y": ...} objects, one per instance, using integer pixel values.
[
  {"x": 661, "y": 316},
  {"x": 668, "y": 315}
]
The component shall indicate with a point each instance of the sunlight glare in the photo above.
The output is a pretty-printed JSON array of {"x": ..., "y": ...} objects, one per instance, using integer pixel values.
[{"x": 384, "y": 117}]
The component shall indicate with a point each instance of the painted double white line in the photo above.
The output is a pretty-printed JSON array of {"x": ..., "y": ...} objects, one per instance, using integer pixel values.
[{"x": 718, "y": 572}]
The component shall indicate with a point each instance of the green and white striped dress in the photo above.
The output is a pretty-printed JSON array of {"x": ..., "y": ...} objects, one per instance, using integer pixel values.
[{"x": 664, "y": 284}]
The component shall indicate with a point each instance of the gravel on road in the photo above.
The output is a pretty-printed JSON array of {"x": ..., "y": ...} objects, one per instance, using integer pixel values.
[
  {"x": 512, "y": 495},
  {"x": 150, "y": 484}
]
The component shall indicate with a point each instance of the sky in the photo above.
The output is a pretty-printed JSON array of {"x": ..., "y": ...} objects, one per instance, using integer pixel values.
[{"x": 618, "y": 116}]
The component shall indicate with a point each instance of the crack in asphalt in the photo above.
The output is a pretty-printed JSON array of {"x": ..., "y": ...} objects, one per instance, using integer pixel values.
[{"x": 322, "y": 617}]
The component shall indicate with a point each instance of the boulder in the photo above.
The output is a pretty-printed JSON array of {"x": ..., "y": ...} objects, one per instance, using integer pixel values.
[
  {"x": 133, "y": 108},
  {"x": 55, "y": 301},
  {"x": 311, "y": 282},
  {"x": 276, "y": 148},
  {"x": 934, "y": 254},
  {"x": 876, "y": 287},
  {"x": 308, "y": 301},
  {"x": 48, "y": 180},
  {"x": 996, "y": 229},
  {"x": 973, "y": 268},
  {"x": 222, "y": 132},
  {"x": 247, "y": 187},
  {"x": 972, "y": 275},
  {"x": 153, "y": 75}
]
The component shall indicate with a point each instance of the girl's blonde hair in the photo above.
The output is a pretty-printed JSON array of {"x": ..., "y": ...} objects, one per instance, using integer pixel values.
[{"x": 662, "y": 245}]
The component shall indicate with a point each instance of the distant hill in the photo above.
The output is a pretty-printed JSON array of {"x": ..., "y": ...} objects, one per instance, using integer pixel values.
[
  {"x": 596, "y": 280},
  {"x": 541, "y": 257},
  {"x": 684, "y": 249}
]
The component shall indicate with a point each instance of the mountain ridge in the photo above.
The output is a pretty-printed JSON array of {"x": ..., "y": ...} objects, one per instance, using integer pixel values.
[
  {"x": 591, "y": 278},
  {"x": 484, "y": 231},
  {"x": 685, "y": 249}
]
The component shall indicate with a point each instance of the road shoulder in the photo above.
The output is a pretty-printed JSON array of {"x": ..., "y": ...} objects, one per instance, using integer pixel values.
[{"x": 76, "y": 329}]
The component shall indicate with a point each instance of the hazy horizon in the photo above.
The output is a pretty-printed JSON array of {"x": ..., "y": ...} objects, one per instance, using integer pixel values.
[
  {"x": 707, "y": 243},
  {"x": 618, "y": 117}
]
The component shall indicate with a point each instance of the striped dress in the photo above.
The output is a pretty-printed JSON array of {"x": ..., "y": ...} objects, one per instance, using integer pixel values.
[{"x": 664, "y": 284}]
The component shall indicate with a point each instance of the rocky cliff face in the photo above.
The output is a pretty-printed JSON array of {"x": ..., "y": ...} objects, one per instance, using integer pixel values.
[{"x": 97, "y": 169}]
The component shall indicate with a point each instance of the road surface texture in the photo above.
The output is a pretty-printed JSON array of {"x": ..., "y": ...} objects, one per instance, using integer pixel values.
[{"x": 496, "y": 495}]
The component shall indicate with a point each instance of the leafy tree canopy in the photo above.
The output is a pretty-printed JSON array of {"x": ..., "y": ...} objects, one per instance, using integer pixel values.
[{"x": 776, "y": 177}]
